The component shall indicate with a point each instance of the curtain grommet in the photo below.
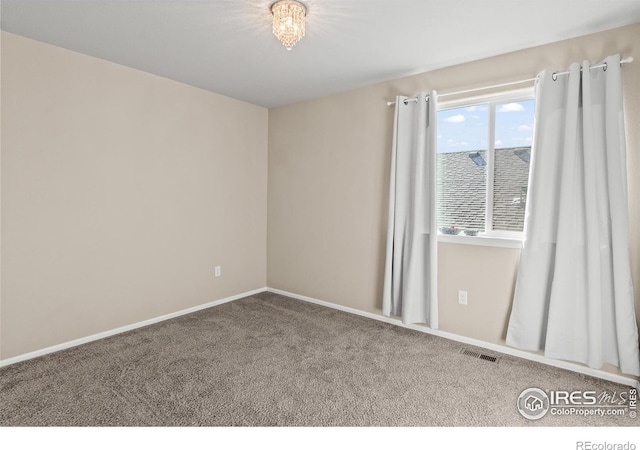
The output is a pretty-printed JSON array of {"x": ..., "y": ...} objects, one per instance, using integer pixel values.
[{"x": 604, "y": 68}]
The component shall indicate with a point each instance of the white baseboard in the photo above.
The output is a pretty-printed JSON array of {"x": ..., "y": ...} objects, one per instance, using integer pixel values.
[
  {"x": 471, "y": 341},
  {"x": 133, "y": 326},
  {"x": 454, "y": 337}
]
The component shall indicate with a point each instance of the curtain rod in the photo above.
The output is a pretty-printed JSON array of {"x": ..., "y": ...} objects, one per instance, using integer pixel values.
[
  {"x": 604, "y": 64},
  {"x": 466, "y": 91}
]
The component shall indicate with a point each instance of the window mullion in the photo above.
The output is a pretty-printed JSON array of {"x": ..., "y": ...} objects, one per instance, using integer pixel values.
[{"x": 488, "y": 224}]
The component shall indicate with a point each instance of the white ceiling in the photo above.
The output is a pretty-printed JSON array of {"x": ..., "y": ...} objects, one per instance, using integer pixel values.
[{"x": 226, "y": 46}]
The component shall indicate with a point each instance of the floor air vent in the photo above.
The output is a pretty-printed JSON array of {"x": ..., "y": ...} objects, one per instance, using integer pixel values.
[{"x": 477, "y": 355}]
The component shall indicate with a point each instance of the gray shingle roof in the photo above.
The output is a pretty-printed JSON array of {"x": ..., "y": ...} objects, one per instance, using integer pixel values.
[{"x": 462, "y": 189}]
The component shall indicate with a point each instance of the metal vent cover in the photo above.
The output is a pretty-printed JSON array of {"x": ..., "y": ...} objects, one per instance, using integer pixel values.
[{"x": 477, "y": 355}]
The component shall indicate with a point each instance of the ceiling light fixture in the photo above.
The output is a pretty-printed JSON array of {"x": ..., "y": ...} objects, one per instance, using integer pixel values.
[{"x": 288, "y": 21}]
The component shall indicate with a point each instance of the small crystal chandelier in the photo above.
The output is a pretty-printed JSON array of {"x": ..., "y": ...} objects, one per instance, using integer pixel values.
[{"x": 288, "y": 21}]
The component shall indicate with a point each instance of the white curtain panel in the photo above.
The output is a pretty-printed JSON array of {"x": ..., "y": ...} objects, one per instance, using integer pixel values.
[
  {"x": 574, "y": 295},
  {"x": 410, "y": 281}
]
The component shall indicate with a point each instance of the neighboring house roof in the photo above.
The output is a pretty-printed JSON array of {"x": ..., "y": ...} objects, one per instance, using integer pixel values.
[{"x": 462, "y": 189}]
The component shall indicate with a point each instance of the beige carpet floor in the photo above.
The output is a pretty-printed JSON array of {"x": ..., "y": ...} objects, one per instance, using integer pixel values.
[{"x": 268, "y": 360}]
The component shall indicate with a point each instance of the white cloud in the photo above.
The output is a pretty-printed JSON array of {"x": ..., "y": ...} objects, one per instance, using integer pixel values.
[
  {"x": 455, "y": 143},
  {"x": 458, "y": 118},
  {"x": 475, "y": 108},
  {"x": 498, "y": 142},
  {"x": 525, "y": 128},
  {"x": 511, "y": 107}
]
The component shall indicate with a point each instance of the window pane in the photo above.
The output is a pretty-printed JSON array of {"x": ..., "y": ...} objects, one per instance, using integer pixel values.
[
  {"x": 514, "y": 133},
  {"x": 462, "y": 156}
]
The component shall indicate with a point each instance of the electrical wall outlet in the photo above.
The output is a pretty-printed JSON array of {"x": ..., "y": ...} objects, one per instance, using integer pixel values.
[
  {"x": 218, "y": 271},
  {"x": 462, "y": 297}
]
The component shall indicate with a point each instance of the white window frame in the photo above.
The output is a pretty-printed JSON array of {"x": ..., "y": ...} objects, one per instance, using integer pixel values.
[{"x": 489, "y": 237}]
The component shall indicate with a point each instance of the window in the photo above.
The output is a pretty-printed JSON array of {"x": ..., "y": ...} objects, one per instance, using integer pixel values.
[{"x": 483, "y": 155}]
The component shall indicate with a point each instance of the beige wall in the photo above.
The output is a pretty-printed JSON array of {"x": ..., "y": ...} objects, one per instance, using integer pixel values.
[
  {"x": 328, "y": 182},
  {"x": 121, "y": 191}
]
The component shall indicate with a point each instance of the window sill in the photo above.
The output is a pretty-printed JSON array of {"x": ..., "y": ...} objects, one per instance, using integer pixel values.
[{"x": 487, "y": 241}]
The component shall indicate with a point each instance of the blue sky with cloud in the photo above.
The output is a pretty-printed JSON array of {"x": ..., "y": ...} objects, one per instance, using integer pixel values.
[{"x": 466, "y": 128}]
